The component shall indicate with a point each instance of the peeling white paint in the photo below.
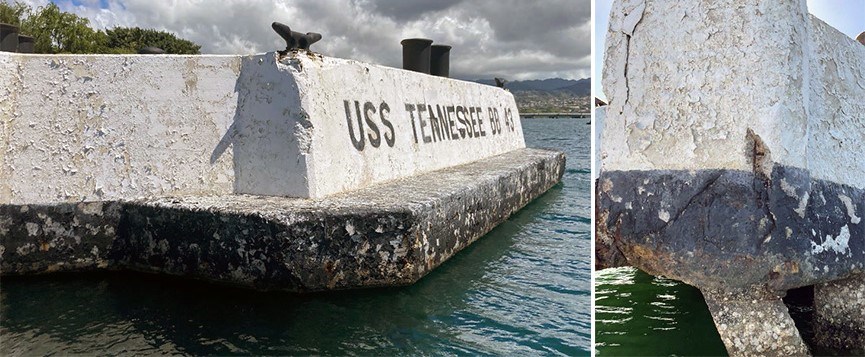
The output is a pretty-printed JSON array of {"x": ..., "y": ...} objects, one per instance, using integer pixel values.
[
  {"x": 851, "y": 210},
  {"x": 803, "y": 204},
  {"x": 788, "y": 189},
  {"x": 114, "y": 126},
  {"x": 839, "y": 244}
]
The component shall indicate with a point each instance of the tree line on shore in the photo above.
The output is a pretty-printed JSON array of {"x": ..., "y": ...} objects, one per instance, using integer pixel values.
[{"x": 57, "y": 31}]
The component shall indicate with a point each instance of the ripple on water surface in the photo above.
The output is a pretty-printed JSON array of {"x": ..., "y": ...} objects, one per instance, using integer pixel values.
[
  {"x": 638, "y": 314},
  {"x": 522, "y": 289}
]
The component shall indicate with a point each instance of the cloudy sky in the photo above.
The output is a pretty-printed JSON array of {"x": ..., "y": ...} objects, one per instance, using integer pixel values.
[
  {"x": 514, "y": 39},
  {"x": 845, "y": 15}
]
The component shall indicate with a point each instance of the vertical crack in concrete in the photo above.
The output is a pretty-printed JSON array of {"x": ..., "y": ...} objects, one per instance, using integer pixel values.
[
  {"x": 625, "y": 73},
  {"x": 629, "y": 24}
]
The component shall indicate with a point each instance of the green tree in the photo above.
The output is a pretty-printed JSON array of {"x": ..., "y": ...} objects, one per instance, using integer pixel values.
[
  {"x": 56, "y": 31},
  {"x": 13, "y": 13},
  {"x": 132, "y": 39}
]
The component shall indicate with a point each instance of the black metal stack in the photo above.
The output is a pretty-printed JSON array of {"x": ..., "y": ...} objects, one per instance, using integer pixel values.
[
  {"x": 420, "y": 55},
  {"x": 12, "y": 41}
]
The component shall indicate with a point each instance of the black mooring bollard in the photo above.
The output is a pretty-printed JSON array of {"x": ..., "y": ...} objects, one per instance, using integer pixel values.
[
  {"x": 26, "y": 44},
  {"x": 8, "y": 38},
  {"x": 416, "y": 54},
  {"x": 294, "y": 39},
  {"x": 439, "y": 64}
]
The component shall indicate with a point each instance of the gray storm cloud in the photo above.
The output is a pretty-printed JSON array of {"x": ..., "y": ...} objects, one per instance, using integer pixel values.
[{"x": 507, "y": 38}]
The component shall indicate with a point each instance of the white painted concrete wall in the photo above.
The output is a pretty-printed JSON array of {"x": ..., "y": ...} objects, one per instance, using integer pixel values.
[
  {"x": 9, "y": 86},
  {"x": 687, "y": 79},
  {"x": 335, "y": 163},
  {"x": 836, "y": 105},
  {"x": 107, "y": 127},
  {"x": 95, "y": 127}
]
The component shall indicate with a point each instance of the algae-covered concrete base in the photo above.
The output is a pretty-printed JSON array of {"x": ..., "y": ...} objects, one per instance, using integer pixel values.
[
  {"x": 754, "y": 323},
  {"x": 391, "y": 233},
  {"x": 839, "y": 314}
]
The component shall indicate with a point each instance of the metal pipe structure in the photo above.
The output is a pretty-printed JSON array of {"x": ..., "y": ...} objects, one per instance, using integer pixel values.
[
  {"x": 440, "y": 60},
  {"x": 416, "y": 54},
  {"x": 8, "y": 38},
  {"x": 26, "y": 44}
]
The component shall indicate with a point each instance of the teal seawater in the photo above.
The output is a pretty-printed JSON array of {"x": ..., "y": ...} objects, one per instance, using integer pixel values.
[
  {"x": 523, "y": 289},
  {"x": 637, "y": 314}
]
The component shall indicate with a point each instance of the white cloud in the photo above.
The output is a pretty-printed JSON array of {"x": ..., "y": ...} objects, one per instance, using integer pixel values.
[{"x": 509, "y": 38}]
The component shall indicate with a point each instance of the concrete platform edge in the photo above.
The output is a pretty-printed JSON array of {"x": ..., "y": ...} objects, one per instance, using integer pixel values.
[{"x": 389, "y": 234}]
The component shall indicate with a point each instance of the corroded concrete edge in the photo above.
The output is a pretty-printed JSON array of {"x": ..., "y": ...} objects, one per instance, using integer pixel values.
[
  {"x": 743, "y": 238},
  {"x": 839, "y": 314},
  {"x": 734, "y": 230},
  {"x": 388, "y": 234}
]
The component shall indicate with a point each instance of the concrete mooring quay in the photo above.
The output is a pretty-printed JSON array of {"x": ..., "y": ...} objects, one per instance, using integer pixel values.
[
  {"x": 288, "y": 171},
  {"x": 732, "y": 161}
]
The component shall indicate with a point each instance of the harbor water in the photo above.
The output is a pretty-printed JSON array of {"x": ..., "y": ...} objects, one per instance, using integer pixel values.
[
  {"x": 523, "y": 289},
  {"x": 639, "y": 314}
]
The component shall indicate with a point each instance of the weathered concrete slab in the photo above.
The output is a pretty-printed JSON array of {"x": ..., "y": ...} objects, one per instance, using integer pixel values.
[
  {"x": 115, "y": 127},
  {"x": 387, "y": 234},
  {"x": 784, "y": 75},
  {"x": 108, "y": 127},
  {"x": 57, "y": 237}
]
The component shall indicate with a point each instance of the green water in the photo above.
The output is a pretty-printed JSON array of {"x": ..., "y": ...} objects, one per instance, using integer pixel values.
[
  {"x": 637, "y": 314},
  {"x": 523, "y": 289}
]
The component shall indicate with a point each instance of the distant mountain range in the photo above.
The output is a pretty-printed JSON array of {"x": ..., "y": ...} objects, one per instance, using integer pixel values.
[{"x": 582, "y": 87}]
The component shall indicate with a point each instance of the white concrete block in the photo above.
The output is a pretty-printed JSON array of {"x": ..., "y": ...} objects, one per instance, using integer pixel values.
[
  {"x": 364, "y": 123},
  {"x": 96, "y": 127},
  {"x": 836, "y": 105},
  {"x": 686, "y": 84}
]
